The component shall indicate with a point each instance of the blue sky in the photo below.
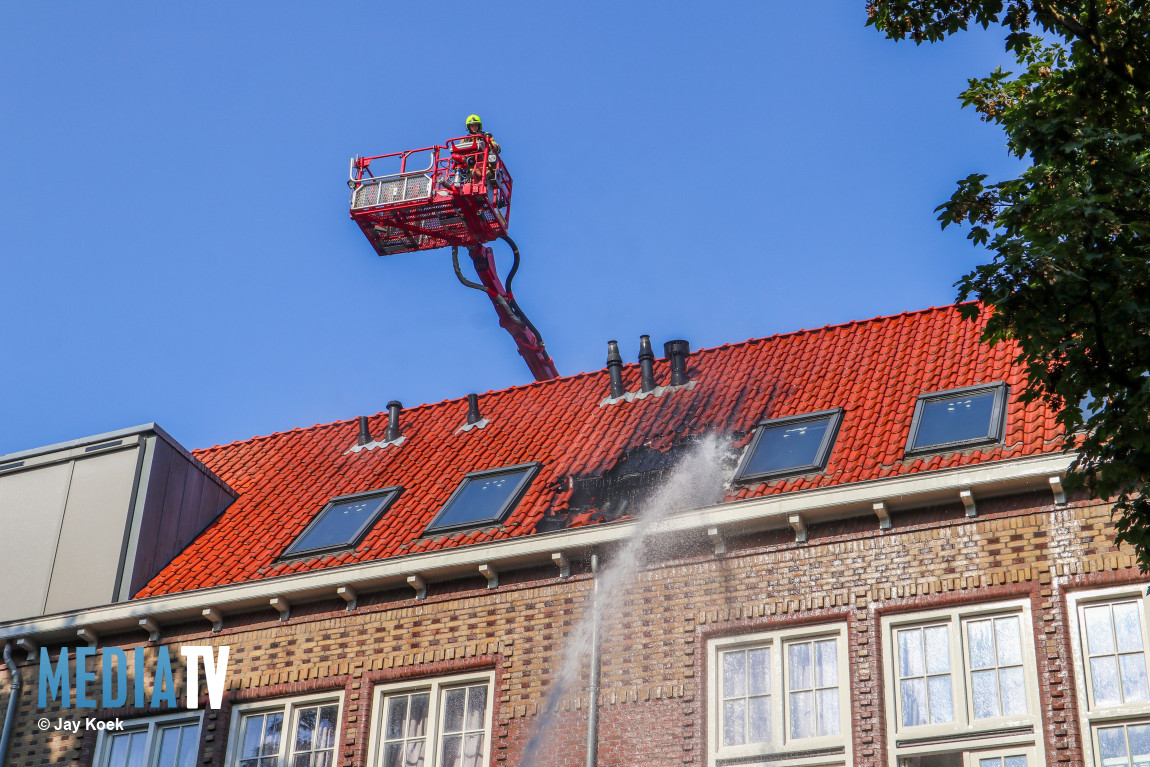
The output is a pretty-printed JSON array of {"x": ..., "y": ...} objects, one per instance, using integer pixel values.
[{"x": 174, "y": 238}]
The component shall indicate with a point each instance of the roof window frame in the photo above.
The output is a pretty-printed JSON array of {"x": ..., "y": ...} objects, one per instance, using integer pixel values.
[
  {"x": 529, "y": 469},
  {"x": 394, "y": 491},
  {"x": 822, "y": 455},
  {"x": 1001, "y": 392}
]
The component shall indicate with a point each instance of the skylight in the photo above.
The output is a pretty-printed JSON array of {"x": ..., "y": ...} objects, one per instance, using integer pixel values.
[
  {"x": 957, "y": 418},
  {"x": 792, "y": 445},
  {"x": 484, "y": 497},
  {"x": 344, "y": 522}
]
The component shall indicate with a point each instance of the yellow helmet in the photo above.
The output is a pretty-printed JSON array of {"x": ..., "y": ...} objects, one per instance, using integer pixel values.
[{"x": 473, "y": 120}]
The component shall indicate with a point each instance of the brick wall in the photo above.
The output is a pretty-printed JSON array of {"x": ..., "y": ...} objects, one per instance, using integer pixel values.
[{"x": 654, "y": 665}]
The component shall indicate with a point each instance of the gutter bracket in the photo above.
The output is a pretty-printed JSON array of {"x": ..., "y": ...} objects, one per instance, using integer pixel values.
[
  {"x": 883, "y": 514},
  {"x": 564, "y": 564},
  {"x": 213, "y": 615},
  {"x": 967, "y": 498},
  {"x": 1059, "y": 491},
  {"x": 800, "y": 527},
  {"x": 28, "y": 646},
  {"x": 152, "y": 627},
  {"x": 718, "y": 540},
  {"x": 490, "y": 573},
  {"x": 88, "y": 635},
  {"x": 419, "y": 585},
  {"x": 347, "y": 593},
  {"x": 282, "y": 605}
]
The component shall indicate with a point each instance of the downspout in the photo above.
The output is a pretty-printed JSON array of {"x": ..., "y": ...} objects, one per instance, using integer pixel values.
[
  {"x": 593, "y": 685},
  {"x": 13, "y": 699}
]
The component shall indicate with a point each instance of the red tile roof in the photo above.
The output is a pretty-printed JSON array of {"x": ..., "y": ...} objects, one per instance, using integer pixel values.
[{"x": 873, "y": 369}]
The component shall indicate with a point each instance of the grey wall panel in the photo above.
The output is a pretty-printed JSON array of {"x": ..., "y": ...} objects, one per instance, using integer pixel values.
[
  {"x": 167, "y": 542},
  {"x": 31, "y": 510},
  {"x": 146, "y": 565},
  {"x": 93, "y": 532},
  {"x": 190, "y": 509}
]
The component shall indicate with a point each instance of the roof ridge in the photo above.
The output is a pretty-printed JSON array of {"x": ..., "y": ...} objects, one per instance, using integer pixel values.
[{"x": 582, "y": 374}]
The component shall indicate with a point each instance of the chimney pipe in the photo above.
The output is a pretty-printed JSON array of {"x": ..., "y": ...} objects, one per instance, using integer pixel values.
[
  {"x": 364, "y": 434},
  {"x": 646, "y": 364},
  {"x": 473, "y": 416},
  {"x": 615, "y": 369},
  {"x": 393, "y": 409},
  {"x": 677, "y": 352}
]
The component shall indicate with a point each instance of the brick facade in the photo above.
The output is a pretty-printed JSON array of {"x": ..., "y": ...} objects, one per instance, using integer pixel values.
[{"x": 654, "y": 706}]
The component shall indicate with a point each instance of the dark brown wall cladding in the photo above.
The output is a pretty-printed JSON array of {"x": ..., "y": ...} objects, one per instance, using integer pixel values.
[{"x": 654, "y": 706}]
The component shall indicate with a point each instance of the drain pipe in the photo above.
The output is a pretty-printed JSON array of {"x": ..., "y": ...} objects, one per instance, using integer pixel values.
[
  {"x": 14, "y": 698},
  {"x": 593, "y": 685}
]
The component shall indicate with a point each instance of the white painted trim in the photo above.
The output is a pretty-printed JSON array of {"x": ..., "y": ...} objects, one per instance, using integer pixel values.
[{"x": 770, "y": 512}]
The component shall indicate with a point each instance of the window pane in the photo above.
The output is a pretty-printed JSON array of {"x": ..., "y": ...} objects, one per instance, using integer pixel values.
[
  {"x": 802, "y": 714},
  {"x": 305, "y": 729},
  {"x": 759, "y": 716},
  {"x": 452, "y": 755},
  {"x": 1008, "y": 641},
  {"x": 759, "y": 671},
  {"x": 472, "y": 750},
  {"x": 941, "y": 700},
  {"x": 1133, "y": 677},
  {"x": 476, "y": 705},
  {"x": 340, "y": 524},
  {"x": 396, "y": 716},
  {"x": 1127, "y": 627},
  {"x": 913, "y": 702},
  {"x": 1099, "y": 637},
  {"x": 828, "y": 711},
  {"x": 273, "y": 724},
  {"x": 1104, "y": 675},
  {"x": 787, "y": 447},
  {"x": 1139, "y": 735},
  {"x": 954, "y": 419},
  {"x": 937, "y": 650},
  {"x": 415, "y": 753},
  {"x": 734, "y": 674},
  {"x": 480, "y": 499},
  {"x": 453, "y": 710},
  {"x": 325, "y": 733},
  {"x": 1112, "y": 746},
  {"x": 993, "y": 761},
  {"x": 169, "y": 747},
  {"x": 984, "y": 688},
  {"x": 910, "y": 652},
  {"x": 734, "y": 722},
  {"x": 800, "y": 666},
  {"x": 301, "y": 760},
  {"x": 1013, "y": 691},
  {"x": 827, "y": 669},
  {"x": 189, "y": 746},
  {"x": 252, "y": 733},
  {"x": 981, "y": 644},
  {"x": 1014, "y": 761},
  {"x": 417, "y": 718}
]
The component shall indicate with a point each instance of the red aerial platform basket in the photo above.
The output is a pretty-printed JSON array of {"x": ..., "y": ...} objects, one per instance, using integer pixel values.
[{"x": 455, "y": 195}]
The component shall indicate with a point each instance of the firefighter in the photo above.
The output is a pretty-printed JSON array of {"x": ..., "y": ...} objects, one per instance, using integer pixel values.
[{"x": 468, "y": 148}]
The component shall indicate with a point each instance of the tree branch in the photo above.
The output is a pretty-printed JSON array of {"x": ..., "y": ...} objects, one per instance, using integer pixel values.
[{"x": 1115, "y": 64}]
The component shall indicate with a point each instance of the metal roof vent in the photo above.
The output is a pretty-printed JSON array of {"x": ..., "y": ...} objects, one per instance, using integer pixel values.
[
  {"x": 473, "y": 416},
  {"x": 393, "y": 409},
  {"x": 677, "y": 352},
  {"x": 364, "y": 433},
  {"x": 615, "y": 369},
  {"x": 646, "y": 364}
]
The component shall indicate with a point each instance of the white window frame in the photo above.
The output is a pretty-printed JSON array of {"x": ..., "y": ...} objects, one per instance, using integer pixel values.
[
  {"x": 151, "y": 726},
  {"x": 965, "y": 733},
  {"x": 781, "y": 741},
  {"x": 290, "y": 708},
  {"x": 1090, "y": 715},
  {"x": 435, "y": 687},
  {"x": 970, "y": 757}
]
